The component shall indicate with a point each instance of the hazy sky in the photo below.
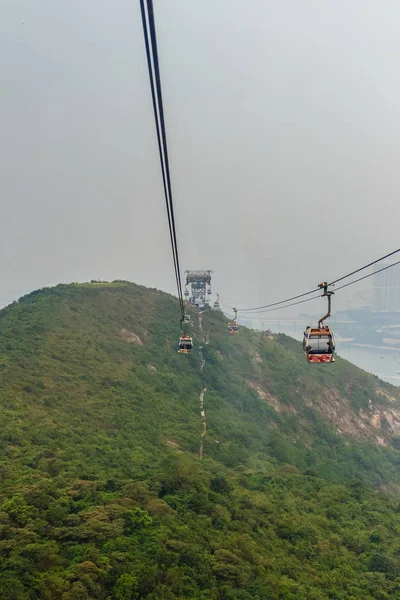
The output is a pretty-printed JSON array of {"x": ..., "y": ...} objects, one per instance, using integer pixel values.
[{"x": 283, "y": 123}]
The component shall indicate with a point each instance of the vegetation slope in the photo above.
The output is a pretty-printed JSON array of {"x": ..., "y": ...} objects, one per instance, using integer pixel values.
[{"x": 102, "y": 492}]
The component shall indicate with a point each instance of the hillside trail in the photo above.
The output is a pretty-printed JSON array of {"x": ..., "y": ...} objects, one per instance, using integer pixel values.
[
  {"x": 203, "y": 417},
  {"x": 203, "y": 391}
]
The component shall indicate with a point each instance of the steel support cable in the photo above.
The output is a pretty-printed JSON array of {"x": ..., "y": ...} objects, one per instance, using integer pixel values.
[
  {"x": 286, "y": 305},
  {"x": 156, "y": 116},
  {"x": 369, "y": 275},
  {"x": 256, "y": 308},
  {"x": 153, "y": 37},
  {"x": 158, "y": 131},
  {"x": 366, "y": 267},
  {"x": 164, "y": 160},
  {"x": 156, "y": 92},
  {"x": 337, "y": 289},
  {"x": 260, "y": 308}
]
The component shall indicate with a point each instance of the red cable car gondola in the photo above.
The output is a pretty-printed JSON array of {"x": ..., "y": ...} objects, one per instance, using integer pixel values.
[{"x": 318, "y": 342}]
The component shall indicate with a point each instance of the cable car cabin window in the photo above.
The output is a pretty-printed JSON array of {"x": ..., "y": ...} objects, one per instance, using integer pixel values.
[
  {"x": 320, "y": 344},
  {"x": 185, "y": 343}
]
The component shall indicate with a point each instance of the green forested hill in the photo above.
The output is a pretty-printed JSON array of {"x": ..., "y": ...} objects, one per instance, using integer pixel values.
[{"x": 103, "y": 494}]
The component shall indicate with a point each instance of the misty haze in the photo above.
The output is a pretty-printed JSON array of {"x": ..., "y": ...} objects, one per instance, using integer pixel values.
[
  {"x": 200, "y": 300},
  {"x": 283, "y": 132}
]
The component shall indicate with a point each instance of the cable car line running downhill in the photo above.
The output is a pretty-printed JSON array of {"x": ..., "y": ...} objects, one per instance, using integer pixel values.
[
  {"x": 150, "y": 39},
  {"x": 318, "y": 343},
  {"x": 319, "y": 296}
]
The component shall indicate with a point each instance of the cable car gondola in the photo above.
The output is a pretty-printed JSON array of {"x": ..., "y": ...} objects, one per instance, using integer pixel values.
[
  {"x": 185, "y": 341},
  {"x": 233, "y": 327},
  {"x": 319, "y": 345},
  {"x": 185, "y": 344},
  {"x": 318, "y": 342}
]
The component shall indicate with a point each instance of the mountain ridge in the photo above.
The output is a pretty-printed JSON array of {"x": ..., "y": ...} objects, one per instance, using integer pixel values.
[{"x": 102, "y": 491}]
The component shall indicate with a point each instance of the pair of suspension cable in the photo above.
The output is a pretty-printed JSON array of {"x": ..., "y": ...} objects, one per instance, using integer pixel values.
[
  {"x": 284, "y": 303},
  {"x": 150, "y": 39}
]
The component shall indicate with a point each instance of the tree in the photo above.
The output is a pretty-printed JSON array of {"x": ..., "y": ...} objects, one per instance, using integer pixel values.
[{"x": 126, "y": 588}]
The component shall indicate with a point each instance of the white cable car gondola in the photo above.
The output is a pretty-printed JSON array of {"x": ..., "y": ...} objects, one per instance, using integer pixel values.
[
  {"x": 318, "y": 342},
  {"x": 185, "y": 344},
  {"x": 319, "y": 345}
]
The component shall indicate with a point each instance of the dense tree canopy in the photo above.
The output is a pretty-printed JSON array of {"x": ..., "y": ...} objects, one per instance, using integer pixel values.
[{"x": 103, "y": 495}]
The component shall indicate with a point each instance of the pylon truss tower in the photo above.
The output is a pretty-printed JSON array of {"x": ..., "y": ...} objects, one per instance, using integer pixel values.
[{"x": 198, "y": 287}]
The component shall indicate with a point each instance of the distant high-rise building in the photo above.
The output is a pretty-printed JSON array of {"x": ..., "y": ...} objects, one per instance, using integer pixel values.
[{"x": 386, "y": 289}]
